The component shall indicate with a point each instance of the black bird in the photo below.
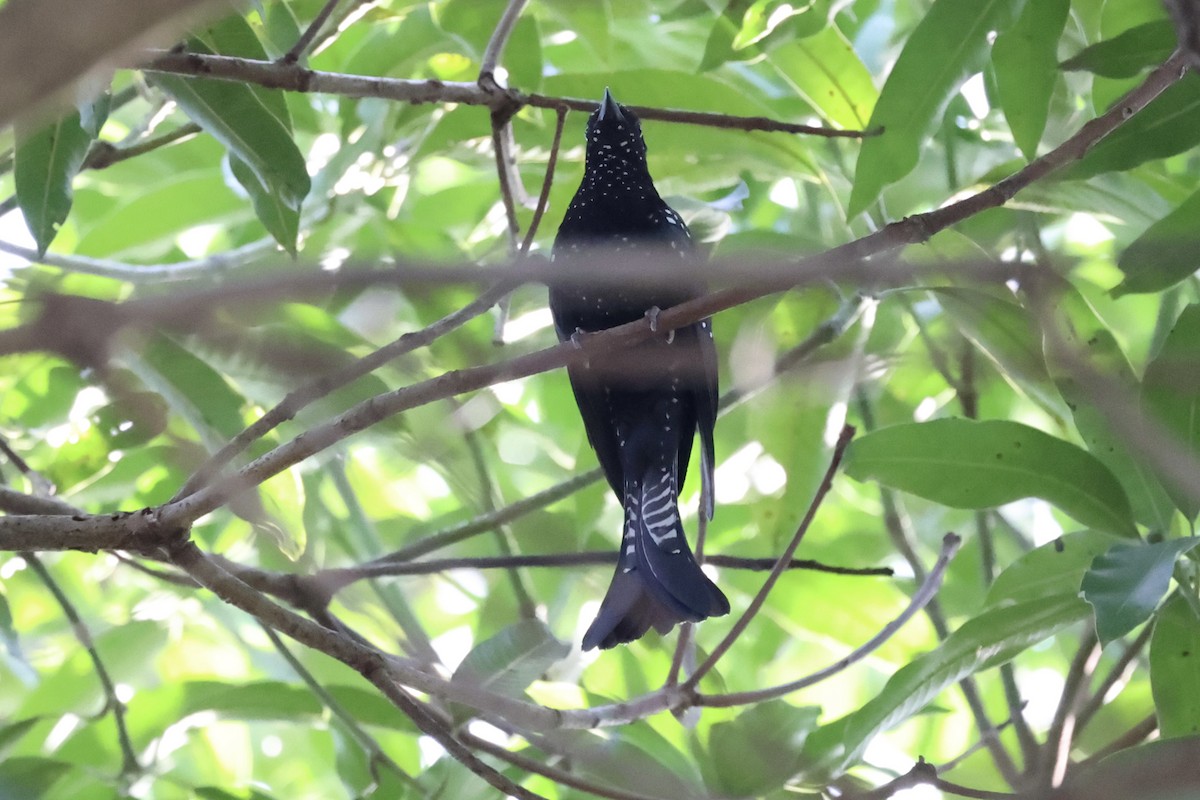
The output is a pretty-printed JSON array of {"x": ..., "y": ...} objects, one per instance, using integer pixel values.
[{"x": 643, "y": 405}]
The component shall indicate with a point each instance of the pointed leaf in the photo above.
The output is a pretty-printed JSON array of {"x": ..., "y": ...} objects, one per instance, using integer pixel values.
[
  {"x": 235, "y": 116},
  {"x": 949, "y": 44},
  {"x": 1175, "y": 669},
  {"x": 1126, "y": 55},
  {"x": 990, "y": 639},
  {"x": 966, "y": 464},
  {"x": 1126, "y": 583},
  {"x": 1171, "y": 393},
  {"x": 1165, "y": 254},
  {"x": 46, "y": 161},
  {"x": 281, "y": 220},
  {"x": 1025, "y": 61}
]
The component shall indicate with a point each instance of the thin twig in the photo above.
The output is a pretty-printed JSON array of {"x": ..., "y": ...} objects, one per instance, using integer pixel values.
[
  {"x": 1119, "y": 672},
  {"x": 723, "y": 646},
  {"x": 547, "y": 182},
  {"x": 294, "y": 78},
  {"x": 129, "y": 761},
  {"x": 495, "y": 46},
  {"x": 1056, "y": 754},
  {"x": 925, "y": 593},
  {"x": 103, "y": 155},
  {"x": 557, "y": 775},
  {"x": 298, "y": 399},
  {"x": 310, "y": 33},
  {"x": 364, "y": 739}
]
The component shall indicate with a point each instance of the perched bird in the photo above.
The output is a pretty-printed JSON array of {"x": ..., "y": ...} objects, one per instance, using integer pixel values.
[{"x": 641, "y": 406}]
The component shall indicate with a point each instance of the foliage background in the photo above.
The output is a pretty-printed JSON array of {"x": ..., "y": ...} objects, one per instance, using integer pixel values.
[{"x": 119, "y": 677}]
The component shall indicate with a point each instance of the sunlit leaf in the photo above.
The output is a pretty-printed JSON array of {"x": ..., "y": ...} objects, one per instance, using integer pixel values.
[{"x": 921, "y": 83}]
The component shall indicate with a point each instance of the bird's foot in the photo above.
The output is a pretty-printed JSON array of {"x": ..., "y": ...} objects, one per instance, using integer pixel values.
[
  {"x": 577, "y": 338},
  {"x": 653, "y": 314}
]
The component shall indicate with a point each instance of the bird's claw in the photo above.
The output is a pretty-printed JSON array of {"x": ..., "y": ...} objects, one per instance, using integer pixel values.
[
  {"x": 652, "y": 314},
  {"x": 577, "y": 338}
]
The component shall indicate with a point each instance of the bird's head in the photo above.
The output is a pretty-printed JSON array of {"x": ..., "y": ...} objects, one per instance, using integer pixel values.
[{"x": 614, "y": 136}]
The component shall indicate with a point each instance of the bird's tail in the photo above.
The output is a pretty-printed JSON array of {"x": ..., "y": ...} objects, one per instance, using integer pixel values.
[{"x": 657, "y": 583}]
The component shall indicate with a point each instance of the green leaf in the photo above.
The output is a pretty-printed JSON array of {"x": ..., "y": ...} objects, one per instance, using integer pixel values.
[
  {"x": 718, "y": 48},
  {"x": 1086, "y": 334},
  {"x": 512, "y": 659},
  {"x": 1126, "y": 583},
  {"x": 236, "y": 117},
  {"x": 1055, "y": 568},
  {"x": 988, "y": 640},
  {"x": 949, "y": 44},
  {"x": 1024, "y": 58},
  {"x": 1000, "y": 329},
  {"x": 1165, "y": 254},
  {"x": 281, "y": 220},
  {"x": 1174, "y": 672},
  {"x": 966, "y": 464},
  {"x": 757, "y": 751},
  {"x": 826, "y": 72},
  {"x": 636, "y": 759},
  {"x": 1124, "y": 56},
  {"x": 26, "y": 778},
  {"x": 1170, "y": 124},
  {"x": 11, "y": 735},
  {"x": 1171, "y": 393},
  {"x": 46, "y": 161}
]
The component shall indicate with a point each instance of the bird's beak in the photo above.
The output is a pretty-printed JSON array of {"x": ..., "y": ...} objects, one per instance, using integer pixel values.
[{"x": 609, "y": 108}]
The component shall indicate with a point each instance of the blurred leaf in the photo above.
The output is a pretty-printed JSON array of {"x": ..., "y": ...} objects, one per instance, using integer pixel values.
[
  {"x": 1174, "y": 676},
  {"x": 1163, "y": 770},
  {"x": 1125, "y": 584},
  {"x": 1086, "y": 334},
  {"x": 1055, "y": 568},
  {"x": 987, "y": 640},
  {"x": 636, "y": 758},
  {"x": 1024, "y": 58},
  {"x": 924, "y": 78},
  {"x": 967, "y": 464},
  {"x": 45, "y": 164},
  {"x": 759, "y": 750},
  {"x": 1124, "y": 56},
  {"x": 27, "y": 777},
  {"x": 1165, "y": 254},
  {"x": 1000, "y": 329},
  {"x": 11, "y": 735},
  {"x": 1170, "y": 124},
  {"x": 719, "y": 47},
  {"x": 1171, "y": 393},
  {"x": 512, "y": 659},
  {"x": 192, "y": 388}
]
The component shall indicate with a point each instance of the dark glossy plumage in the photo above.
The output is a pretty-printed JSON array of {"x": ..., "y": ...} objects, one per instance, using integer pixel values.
[{"x": 643, "y": 406}]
